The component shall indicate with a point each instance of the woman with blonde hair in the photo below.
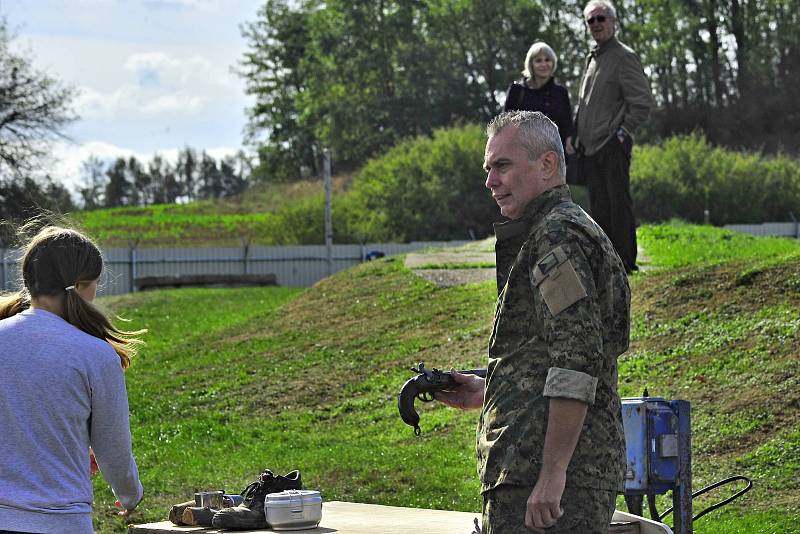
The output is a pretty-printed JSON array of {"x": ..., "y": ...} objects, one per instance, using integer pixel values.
[
  {"x": 538, "y": 90},
  {"x": 62, "y": 390}
]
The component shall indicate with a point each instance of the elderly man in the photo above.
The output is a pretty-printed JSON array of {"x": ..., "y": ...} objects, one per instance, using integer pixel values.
[
  {"x": 550, "y": 443},
  {"x": 614, "y": 100}
]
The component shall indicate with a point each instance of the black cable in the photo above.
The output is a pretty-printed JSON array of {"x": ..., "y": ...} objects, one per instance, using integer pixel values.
[
  {"x": 719, "y": 504},
  {"x": 651, "y": 505}
]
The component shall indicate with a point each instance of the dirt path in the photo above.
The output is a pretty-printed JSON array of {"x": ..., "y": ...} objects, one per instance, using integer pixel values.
[
  {"x": 470, "y": 264},
  {"x": 458, "y": 266}
]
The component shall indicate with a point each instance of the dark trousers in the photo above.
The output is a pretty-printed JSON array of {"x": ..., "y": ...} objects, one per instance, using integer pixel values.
[{"x": 608, "y": 179}]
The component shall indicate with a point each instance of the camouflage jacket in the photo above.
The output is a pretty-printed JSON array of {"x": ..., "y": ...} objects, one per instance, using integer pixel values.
[{"x": 562, "y": 318}]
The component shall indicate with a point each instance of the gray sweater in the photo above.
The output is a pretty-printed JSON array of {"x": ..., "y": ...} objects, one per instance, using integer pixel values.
[{"x": 61, "y": 391}]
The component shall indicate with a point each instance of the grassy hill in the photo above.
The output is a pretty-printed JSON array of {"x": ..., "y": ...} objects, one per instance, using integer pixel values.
[
  {"x": 281, "y": 378},
  {"x": 250, "y": 215}
]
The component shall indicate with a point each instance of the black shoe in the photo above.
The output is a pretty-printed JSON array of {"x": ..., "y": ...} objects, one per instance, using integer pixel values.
[{"x": 250, "y": 514}]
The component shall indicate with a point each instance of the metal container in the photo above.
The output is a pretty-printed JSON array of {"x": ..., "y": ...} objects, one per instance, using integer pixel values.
[
  {"x": 293, "y": 509},
  {"x": 210, "y": 499}
]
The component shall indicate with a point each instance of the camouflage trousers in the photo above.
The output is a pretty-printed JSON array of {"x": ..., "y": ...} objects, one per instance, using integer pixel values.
[{"x": 586, "y": 511}]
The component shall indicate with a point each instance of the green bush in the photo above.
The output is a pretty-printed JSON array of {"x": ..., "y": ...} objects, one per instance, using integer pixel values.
[
  {"x": 684, "y": 175},
  {"x": 303, "y": 222},
  {"x": 425, "y": 188}
]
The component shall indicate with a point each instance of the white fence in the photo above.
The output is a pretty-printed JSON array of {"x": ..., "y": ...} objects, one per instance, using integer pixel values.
[
  {"x": 294, "y": 266},
  {"x": 787, "y": 229}
]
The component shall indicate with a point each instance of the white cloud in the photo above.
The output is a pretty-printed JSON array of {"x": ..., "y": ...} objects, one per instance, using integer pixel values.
[
  {"x": 152, "y": 74},
  {"x": 158, "y": 83},
  {"x": 174, "y": 102},
  {"x": 172, "y": 70},
  {"x": 201, "y": 5}
]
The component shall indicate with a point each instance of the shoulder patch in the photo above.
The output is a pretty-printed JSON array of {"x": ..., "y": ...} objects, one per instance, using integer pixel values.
[{"x": 558, "y": 283}]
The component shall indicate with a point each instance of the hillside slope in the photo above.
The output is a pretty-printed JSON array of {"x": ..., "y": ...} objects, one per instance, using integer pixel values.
[
  {"x": 222, "y": 222},
  {"x": 284, "y": 379}
]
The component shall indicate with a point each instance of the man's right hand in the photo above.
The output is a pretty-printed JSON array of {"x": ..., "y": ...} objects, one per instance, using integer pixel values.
[
  {"x": 570, "y": 148},
  {"x": 467, "y": 396},
  {"x": 543, "y": 507}
]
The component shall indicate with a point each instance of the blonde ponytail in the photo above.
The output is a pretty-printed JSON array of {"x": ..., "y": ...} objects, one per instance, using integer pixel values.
[
  {"x": 91, "y": 319},
  {"x": 14, "y": 303}
]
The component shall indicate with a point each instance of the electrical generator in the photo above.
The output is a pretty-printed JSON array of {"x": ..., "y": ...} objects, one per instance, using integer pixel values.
[{"x": 658, "y": 445}]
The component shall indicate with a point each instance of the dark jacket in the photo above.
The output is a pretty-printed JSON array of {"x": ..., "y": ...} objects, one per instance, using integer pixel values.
[{"x": 551, "y": 99}]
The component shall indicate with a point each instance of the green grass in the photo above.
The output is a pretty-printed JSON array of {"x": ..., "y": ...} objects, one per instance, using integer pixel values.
[
  {"x": 250, "y": 216},
  {"x": 680, "y": 244},
  {"x": 236, "y": 380},
  {"x": 171, "y": 224}
]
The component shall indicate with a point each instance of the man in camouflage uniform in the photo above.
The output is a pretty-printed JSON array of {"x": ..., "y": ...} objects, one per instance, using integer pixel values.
[{"x": 550, "y": 443}]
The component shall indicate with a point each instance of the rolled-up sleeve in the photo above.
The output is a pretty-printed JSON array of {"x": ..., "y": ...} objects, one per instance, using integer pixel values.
[
  {"x": 569, "y": 384},
  {"x": 573, "y": 326}
]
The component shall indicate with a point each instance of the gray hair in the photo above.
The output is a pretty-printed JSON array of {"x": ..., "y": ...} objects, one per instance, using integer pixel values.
[
  {"x": 537, "y": 134},
  {"x": 605, "y": 4},
  {"x": 537, "y": 49}
]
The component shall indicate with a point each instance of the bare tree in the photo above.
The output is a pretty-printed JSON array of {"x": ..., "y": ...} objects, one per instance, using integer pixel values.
[
  {"x": 34, "y": 108},
  {"x": 93, "y": 173}
]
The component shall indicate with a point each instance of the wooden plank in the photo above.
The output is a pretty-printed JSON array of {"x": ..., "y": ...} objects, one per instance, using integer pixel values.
[
  {"x": 646, "y": 526},
  {"x": 625, "y": 527}
]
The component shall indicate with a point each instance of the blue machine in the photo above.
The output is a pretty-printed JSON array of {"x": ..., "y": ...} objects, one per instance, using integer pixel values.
[{"x": 658, "y": 444}]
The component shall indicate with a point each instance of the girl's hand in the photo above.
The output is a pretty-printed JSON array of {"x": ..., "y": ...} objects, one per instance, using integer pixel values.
[
  {"x": 93, "y": 467},
  {"x": 124, "y": 513}
]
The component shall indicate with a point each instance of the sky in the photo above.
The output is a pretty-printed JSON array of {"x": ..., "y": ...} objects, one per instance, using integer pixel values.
[{"x": 153, "y": 76}]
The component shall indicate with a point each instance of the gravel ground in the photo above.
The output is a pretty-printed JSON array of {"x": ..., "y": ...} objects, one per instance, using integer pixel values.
[
  {"x": 452, "y": 277},
  {"x": 455, "y": 277}
]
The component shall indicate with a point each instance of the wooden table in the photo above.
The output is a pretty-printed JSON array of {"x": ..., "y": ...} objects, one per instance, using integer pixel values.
[{"x": 357, "y": 518}]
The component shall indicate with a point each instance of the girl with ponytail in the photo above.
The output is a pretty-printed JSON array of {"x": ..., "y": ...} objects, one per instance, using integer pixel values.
[{"x": 62, "y": 390}]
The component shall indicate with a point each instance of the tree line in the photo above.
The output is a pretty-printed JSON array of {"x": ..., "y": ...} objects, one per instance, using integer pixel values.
[
  {"x": 358, "y": 77},
  {"x": 193, "y": 176},
  {"x": 35, "y": 109},
  {"x": 127, "y": 182}
]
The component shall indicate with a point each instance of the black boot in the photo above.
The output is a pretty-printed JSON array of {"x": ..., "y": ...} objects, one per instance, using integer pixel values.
[{"x": 250, "y": 514}]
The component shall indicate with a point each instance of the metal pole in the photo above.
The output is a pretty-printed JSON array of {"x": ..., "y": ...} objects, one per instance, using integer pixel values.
[
  {"x": 3, "y": 257},
  {"x": 328, "y": 218},
  {"x": 246, "y": 255},
  {"x": 682, "y": 494},
  {"x": 133, "y": 268}
]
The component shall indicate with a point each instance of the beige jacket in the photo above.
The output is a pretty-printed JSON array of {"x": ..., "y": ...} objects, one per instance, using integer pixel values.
[{"x": 614, "y": 94}]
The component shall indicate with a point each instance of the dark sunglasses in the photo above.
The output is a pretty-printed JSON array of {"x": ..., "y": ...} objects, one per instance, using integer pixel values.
[{"x": 599, "y": 18}]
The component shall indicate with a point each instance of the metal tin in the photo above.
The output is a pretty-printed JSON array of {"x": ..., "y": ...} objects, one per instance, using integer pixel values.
[
  {"x": 210, "y": 499},
  {"x": 293, "y": 509}
]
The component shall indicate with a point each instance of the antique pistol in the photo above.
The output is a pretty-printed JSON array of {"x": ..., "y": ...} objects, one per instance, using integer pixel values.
[{"x": 422, "y": 387}]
